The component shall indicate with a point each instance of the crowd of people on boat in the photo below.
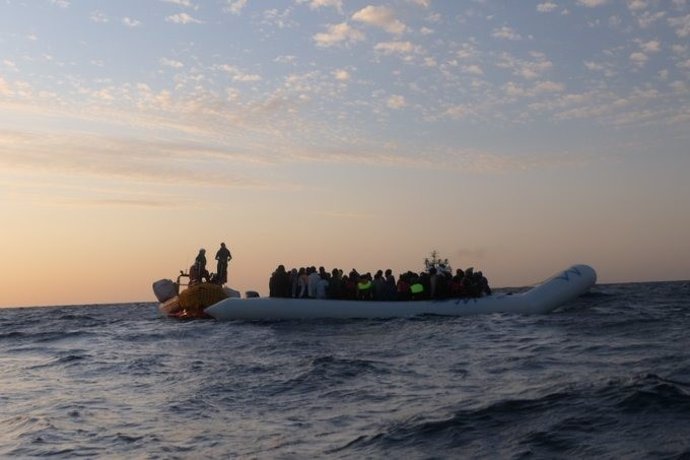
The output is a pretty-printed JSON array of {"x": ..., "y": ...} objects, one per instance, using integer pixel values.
[
  {"x": 433, "y": 283},
  {"x": 436, "y": 282}
]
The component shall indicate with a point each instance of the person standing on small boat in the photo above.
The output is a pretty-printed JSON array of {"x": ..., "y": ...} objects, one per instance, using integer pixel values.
[
  {"x": 198, "y": 272},
  {"x": 223, "y": 256}
]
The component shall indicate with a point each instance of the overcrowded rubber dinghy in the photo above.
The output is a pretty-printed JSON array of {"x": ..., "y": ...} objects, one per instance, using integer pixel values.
[{"x": 543, "y": 298}]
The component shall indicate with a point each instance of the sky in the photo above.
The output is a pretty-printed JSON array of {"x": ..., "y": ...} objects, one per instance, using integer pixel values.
[{"x": 518, "y": 138}]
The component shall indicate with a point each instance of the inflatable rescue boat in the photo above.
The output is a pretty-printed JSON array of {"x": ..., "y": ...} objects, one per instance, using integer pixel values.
[
  {"x": 192, "y": 300},
  {"x": 543, "y": 298}
]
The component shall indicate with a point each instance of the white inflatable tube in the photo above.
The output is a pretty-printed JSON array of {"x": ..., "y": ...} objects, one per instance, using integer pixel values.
[{"x": 547, "y": 296}]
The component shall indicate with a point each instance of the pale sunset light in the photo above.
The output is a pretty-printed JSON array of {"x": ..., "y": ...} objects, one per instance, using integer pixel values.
[{"x": 515, "y": 137}]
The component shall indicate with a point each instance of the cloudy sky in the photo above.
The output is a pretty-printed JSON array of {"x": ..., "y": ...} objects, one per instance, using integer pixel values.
[{"x": 516, "y": 137}]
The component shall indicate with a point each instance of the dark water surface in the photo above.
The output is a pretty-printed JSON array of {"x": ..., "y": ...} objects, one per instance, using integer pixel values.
[{"x": 607, "y": 376}]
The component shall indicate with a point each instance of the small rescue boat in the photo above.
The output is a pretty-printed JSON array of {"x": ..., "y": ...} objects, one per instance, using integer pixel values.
[{"x": 191, "y": 302}]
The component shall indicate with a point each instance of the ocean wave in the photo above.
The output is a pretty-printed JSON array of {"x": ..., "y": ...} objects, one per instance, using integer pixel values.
[
  {"x": 648, "y": 393},
  {"x": 567, "y": 423},
  {"x": 327, "y": 372},
  {"x": 460, "y": 429}
]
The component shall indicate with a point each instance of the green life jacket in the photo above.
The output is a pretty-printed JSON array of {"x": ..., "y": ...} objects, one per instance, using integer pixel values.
[{"x": 417, "y": 288}]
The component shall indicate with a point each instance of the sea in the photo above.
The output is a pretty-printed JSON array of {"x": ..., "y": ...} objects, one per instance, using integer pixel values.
[{"x": 606, "y": 376}]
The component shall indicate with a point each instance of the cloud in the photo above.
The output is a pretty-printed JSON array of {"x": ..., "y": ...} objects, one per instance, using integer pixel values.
[
  {"x": 207, "y": 95},
  {"x": 279, "y": 19},
  {"x": 638, "y": 58},
  {"x": 193, "y": 112},
  {"x": 337, "y": 34},
  {"x": 183, "y": 3},
  {"x": 236, "y": 6},
  {"x": 514, "y": 90},
  {"x": 549, "y": 87},
  {"x": 131, "y": 23},
  {"x": 103, "y": 95},
  {"x": 679, "y": 49},
  {"x": 422, "y": 3},
  {"x": 395, "y": 48},
  {"x": 61, "y": 3},
  {"x": 592, "y": 3},
  {"x": 10, "y": 64},
  {"x": 341, "y": 75},
  {"x": 190, "y": 163},
  {"x": 637, "y": 107},
  {"x": 458, "y": 111},
  {"x": 684, "y": 64},
  {"x": 382, "y": 17},
  {"x": 238, "y": 75},
  {"x": 99, "y": 17},
  {"x": 286, "y": 59},
  {"x": 467, "y": 51},
  {"x": 170, "y": 63},
  {"x": 246, "y": 78},
  {"x": 316, "y": 4},
  {"x": 648, "y": 18},
  {"x": 652, "y": 46},
  {"x": 182, "y": 18},
  {"x": 396, "y": 102},
  {"x": 506, "y": 33},
  {"x": 594, "y": 66},
  {"x": 681, "y": 25},
  {"x": 546, "y": 7},
  {"x": 473, "y": 69},
  {"x": 528, "y": 70},
  {"x": 679, "y": 86},
  {"x": 606, "y": 68},
  {"x": 149, "y": 162},
  {"x": 637, "y": 5}
]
